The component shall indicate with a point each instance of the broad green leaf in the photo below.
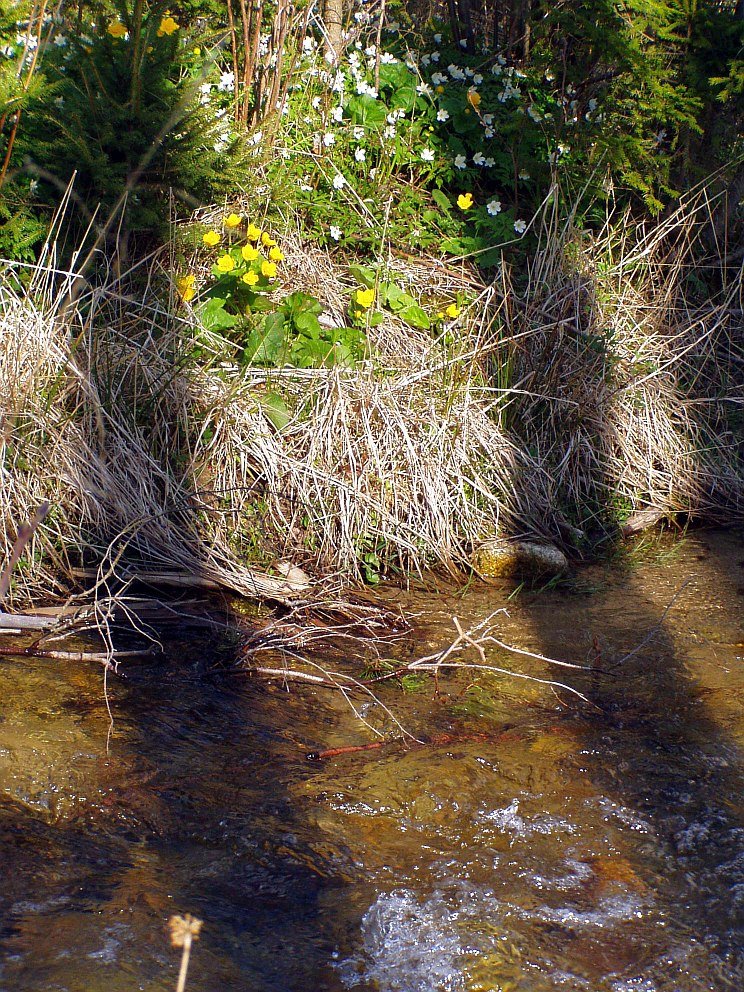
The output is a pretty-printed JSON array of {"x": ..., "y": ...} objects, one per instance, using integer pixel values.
[
  {"x": 276, "y": 410},
  {"x": 415, "y": 316},
  {"x": 214, "y": 317},
  {"x": 364, "y": 275}
]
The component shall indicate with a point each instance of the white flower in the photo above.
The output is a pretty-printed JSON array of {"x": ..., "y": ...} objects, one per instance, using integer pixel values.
[
  {"x": 592, "y": 105},
  {"x": 463, "y": 42},
  {"x": 33, "y": 186},
  {"x": 488, "y": 119},
  {"x": 308, "y": 43},
  {"x": 427, "y": 155},
  {"x": 479, "y": 158},
  {"x": 523, "y": 175},
  {"x": 205, "y": 88},
  {"x": 329, "y": 139},
  {"x": 437, "y": 39},
  {"x": 316, "y": 103},
  {"x": 358, "y": 133},
  {"x": 443, "y": 115},
  {"x": 59, "y": 101},
  {"x": 335, "y": 232},
  {"x": 227, "y": 82},
  {"x": 60, "y": 40},
  {"x": 438, "y": 78},
  {"x": 460, "y": 162},
  {"x": 496, "y": 69},
  {"x": 489, "y": 132},
  {"x": 425, "y": 60},
  {"x": 389, "y": 132},
  {"x": 534, "y": 113},
  {"x": 392, "y": 118},
  {"x": 489, "y": 163},
  {"x": 370, "y": 50},
  {"x": 477, "y": 79},
  {"x": 8, "y": 51},
  {"x": 337, "y": 114},
  {"x": 360, "y": 154},
  {"x": 423, "y": 89},
  {"x": 387, "y": 59},
  {"x": 493, "y": 207},
  {"x": 549, "y": 76},
  {"x": 469, "y": 72},
  {"x": 372, "y": 173},
  {"x": 338, "y": 181},
  {"x": 435, "y": 56},
  {"x": 520, "y": 226}
]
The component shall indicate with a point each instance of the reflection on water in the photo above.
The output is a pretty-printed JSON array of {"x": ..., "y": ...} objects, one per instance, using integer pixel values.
[{"x": 545, "y": 845}]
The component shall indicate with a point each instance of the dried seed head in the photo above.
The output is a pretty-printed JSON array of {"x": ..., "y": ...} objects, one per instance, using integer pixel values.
[{"x": 183, "y": 927}]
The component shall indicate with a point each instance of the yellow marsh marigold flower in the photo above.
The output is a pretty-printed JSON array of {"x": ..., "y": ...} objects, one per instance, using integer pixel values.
[
  {"x": 474, "y": 99},
  {"x": 465, "y": 201},
  {"x": 232, "y": 220},
  {"x": 268, "y": 269},
  {"x": 365, "y": 297},
  {"x": 276, "y": 254},
  {"x": 185, "y": 287},
  {"x": 168, "y": 26},
  {"x": 250, "y": 278},
  {"x": 225, "y": 263},
  {"x": 267, "y": 241},
  {"x": 249, "y": 253},
  {"x": 253, "y": 233},
  {"x": 116, "y": 29},
  {"x": 211, "y": 238},
  {"x": 453, "y": 310}
]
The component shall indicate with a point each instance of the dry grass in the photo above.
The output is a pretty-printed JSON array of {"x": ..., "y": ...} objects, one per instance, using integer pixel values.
[{"x": 600, "y": 387}]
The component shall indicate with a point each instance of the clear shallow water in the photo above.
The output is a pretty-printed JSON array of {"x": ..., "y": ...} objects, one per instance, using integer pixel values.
[{"x": 544, "y": 845}]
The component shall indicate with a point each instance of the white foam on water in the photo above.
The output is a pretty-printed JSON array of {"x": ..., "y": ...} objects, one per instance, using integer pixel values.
[
  {"x": 407, "y": 946},
  {"x": 510, "y": 820}
]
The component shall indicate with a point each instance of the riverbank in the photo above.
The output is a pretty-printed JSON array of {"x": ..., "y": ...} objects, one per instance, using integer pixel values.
[{"x": 607, "y": 382}]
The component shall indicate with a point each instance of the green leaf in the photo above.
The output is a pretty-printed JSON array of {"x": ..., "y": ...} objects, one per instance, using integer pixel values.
[
  {"x": 214, "y": 317},
  {"x": 266, "y": 346},
  {"x": 276, "y": 410},
  {"x": 441, "y": 200},
  {"x": 366, "y": 109},
  {"x": 364, "y": 275},
  {"x": 415, "y": 316}
]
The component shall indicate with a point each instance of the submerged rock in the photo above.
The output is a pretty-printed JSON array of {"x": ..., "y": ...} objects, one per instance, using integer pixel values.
[{"x": 503, "y": 558}]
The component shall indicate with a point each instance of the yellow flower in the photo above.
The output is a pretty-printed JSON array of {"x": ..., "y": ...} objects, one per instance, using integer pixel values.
[
  {"x": 249, "y": 253},
  {"x": 232, "y": 220},
  {"x": 211, "y": 238},
  {"x": 116, "y": 29},
  {"x": 196, "y": 51},
  {"x": 276, "y": 254},
  {"x": 453, "y": 310},
  {"x": 250, "y": 278},
  {"x": 465, "y": 201},
  {"x": 439, "y": 89},
  {"x": 267, "y": 241},
  {"x": 474, "y": 98},
  {"x": 225, "y": 263},
  {"x": 253, "y": 233},
  {"x": 185, "y": 287},
  {"x": 167, "y": 26},
  {"x": 268, "y": 269},
  {"x": 365, "y": 297}
]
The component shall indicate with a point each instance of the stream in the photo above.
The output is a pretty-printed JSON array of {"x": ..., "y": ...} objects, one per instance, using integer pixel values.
[{"x": 539, "y": 843}]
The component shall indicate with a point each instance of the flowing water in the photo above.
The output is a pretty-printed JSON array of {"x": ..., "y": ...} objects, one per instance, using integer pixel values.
[{"x": 538, "y": 842}]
